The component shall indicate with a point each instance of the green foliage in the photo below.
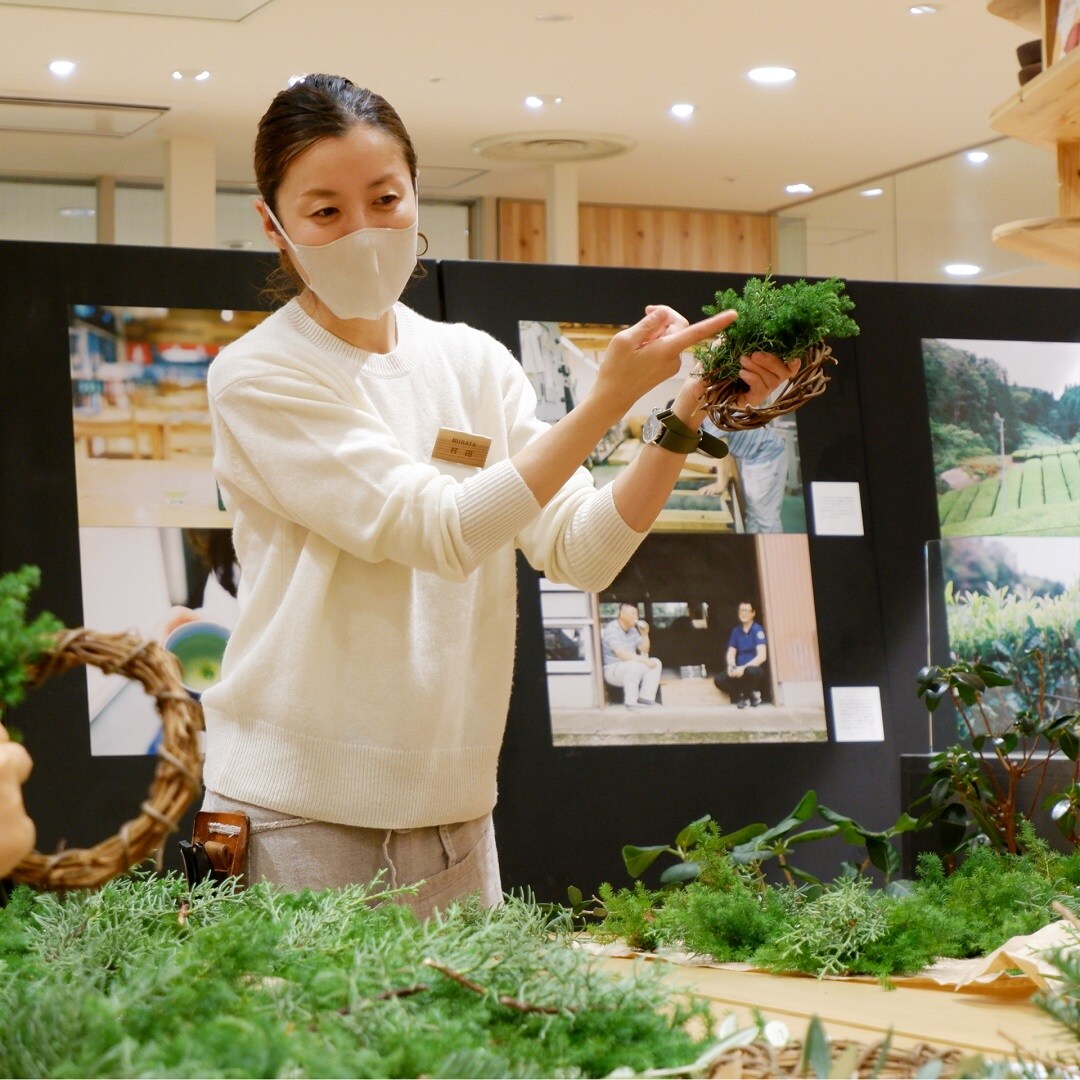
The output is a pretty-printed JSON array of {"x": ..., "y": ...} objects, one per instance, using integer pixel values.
[
  {"x": 976, "y": 784},
  {"x": 21, "y": 643},
  {"x": 1030, "y": 638},
  {"x": 144, "y": 979},
  {"x": 729, "y": 913},
  {"x": 784, "y": 320},
  {"x": 829, "y": 933},
  {"x": 727, "y": 924},
  {"x": 953, "y": 445}
]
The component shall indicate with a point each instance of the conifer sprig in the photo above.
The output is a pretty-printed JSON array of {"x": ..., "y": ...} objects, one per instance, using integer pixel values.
[
  {"x": 21, "y": 643},
  {"x": 785, "y": 320}
]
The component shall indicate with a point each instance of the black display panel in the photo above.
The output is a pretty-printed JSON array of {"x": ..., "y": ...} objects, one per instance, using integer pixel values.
[
  {"x": 74, "y": 798},
  {"x": 565, "y": 811}
]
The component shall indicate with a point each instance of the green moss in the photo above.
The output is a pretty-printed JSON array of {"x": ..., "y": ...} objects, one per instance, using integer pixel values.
[{"x": 785, "y": 320}]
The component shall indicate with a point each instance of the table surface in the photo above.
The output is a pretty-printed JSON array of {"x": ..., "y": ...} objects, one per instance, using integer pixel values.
[
  {"x": 120, "y": 491},
  {"x": 993, "y": 1019}
]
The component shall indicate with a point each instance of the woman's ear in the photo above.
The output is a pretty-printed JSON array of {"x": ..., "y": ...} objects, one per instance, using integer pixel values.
[{"x": 270, "y": 230}]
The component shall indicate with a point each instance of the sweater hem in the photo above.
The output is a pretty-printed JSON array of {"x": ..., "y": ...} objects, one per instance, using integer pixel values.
[{"x": 357, "y": 784}]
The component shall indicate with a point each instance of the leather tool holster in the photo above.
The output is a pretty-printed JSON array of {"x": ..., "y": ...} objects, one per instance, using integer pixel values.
[{"x": 217, "y": 849}]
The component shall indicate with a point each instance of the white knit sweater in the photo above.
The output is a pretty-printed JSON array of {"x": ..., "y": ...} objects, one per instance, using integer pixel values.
[{"x": 368, "y": 677}]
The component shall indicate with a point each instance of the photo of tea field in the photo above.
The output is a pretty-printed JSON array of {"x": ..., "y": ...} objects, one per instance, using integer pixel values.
[{"x": 1005, "y": 428}]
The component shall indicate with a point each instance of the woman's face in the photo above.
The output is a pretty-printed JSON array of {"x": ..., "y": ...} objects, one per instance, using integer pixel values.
[{"x": 340, "y": 184}]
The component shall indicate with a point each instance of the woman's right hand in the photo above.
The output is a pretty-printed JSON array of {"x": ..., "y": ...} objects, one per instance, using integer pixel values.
[
  {"x": 17, "y": 832},
  {"x": 646, "y": 354}
]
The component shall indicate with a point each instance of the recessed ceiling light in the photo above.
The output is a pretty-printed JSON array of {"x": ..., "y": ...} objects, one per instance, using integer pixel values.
[
  {"x": 682, "y": 110},
  {"x": 553, "y": 16},
  {"x": 77, "y": 211},
  {"x": 534, "y": 102},
  {"x": 771, "y": 74},
  {"x": 962, "y": 269},
  {"x": 798, "y": 189},
  {"x": 872, "y": 192},
  {"x": 192, "y": 74},
  {"x": 977, "y": 157},
  {"x": 294, "y": 79},
  {"x": 924, "y": 9},
  {"x": 62, "y": 68},
  {"x": 227, "y": 315}
]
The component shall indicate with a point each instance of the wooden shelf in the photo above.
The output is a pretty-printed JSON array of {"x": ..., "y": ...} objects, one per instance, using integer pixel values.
[
  {"x": 1045, "y": 111},
  {"x": 1053, "y": 240},
  {"x": 1025, "y": 13}
]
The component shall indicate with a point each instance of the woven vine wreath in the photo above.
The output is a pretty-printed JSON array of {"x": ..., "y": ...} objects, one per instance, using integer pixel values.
[
  {"x": 719, "y": 399},
  {"x": 177, "y": 778}
]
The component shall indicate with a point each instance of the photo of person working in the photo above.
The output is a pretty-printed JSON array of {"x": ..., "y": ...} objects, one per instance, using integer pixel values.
[{"x": 747, "y": 654}]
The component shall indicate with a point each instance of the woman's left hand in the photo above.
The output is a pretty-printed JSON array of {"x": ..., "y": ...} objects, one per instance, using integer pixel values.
[{"x": 763, "y": 373}]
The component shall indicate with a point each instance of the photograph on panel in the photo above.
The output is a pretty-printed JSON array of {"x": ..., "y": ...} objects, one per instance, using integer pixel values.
[
  {"x": 170, "y": 585},
  {"x": 1005, "y": 429},
  {"x": 140, "y": 418},
  {"x": 756, "y": 488},
  {"x": 700, "y": 639},
  {"x": 1012, "y": 603}
]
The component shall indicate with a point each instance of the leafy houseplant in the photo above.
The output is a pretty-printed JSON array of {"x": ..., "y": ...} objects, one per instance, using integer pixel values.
[
  {"x": 976, "y": 790},
  {"x": 791, "y": 321},
  {"x": 717, "y": 906}
]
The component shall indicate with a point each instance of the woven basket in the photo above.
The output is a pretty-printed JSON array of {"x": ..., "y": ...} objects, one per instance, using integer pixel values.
[
  {"x": 807, "y": 383},
  {"x": 177, "y": 778},
  {"x": 760, "y": 1060}
]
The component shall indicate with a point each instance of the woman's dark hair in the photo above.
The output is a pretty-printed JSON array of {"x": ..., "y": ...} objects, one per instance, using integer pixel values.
[{"x": 311, "y": 109}]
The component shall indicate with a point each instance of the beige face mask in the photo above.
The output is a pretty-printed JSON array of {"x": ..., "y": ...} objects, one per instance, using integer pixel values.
[{"x": 360, "y": 275}]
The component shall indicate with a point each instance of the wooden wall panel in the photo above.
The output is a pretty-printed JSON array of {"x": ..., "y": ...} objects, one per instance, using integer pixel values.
[
  {"x": 654, "y": 238},
  {"x": 789, "y": 617}
]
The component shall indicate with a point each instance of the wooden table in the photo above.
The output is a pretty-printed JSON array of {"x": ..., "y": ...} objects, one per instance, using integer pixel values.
[
  {"x": 180, "y": 492},
  {"x": 991, "y": 1020}
]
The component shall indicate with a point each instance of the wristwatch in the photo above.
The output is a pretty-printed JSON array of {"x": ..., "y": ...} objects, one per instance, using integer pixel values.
[{"x": 665, "y": 429}]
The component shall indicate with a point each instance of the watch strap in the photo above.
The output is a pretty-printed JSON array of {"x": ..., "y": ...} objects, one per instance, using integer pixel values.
[{"x": 688, "y": 440}]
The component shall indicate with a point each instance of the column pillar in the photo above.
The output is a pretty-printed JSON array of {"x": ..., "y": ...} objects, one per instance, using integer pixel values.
[
  {"x": 561, "y": 218},
  {"x": 106, "y": 210},
  {"x": 190, "y": 185}
]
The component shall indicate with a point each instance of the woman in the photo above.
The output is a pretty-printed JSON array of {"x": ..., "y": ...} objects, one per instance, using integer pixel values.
[{"x": 361, "y": 710}]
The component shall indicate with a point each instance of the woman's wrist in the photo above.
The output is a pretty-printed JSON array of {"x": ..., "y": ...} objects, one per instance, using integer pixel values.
[{"x": 687, "y": 404}]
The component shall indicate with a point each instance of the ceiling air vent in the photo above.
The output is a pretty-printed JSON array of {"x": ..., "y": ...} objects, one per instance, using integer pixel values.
[{"x": 549, "y": 146}]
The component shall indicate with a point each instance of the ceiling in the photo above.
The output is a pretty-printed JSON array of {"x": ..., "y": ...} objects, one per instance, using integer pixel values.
[{"x": 878, "y": 89}]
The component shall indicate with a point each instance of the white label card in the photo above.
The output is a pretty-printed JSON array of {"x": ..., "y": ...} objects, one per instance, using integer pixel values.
[
  {"x": 837, "y": 508},
  {"x": 856, "y": 712}
]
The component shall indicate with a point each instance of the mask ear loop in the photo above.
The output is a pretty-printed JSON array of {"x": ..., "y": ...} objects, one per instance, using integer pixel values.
[{"x": 277, "y": 225}]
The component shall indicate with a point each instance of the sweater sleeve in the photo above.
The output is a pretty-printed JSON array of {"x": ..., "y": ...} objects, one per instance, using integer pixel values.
[
  {"x": 297, "y": 447},
  {"x": 579, "y": 538}
]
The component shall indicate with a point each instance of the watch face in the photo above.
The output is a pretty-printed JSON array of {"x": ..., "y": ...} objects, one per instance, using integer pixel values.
[{"x": 651, "y": 429}]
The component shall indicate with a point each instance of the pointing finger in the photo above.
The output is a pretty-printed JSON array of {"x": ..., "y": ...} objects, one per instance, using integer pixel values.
[{"x": 700, "y": 331}]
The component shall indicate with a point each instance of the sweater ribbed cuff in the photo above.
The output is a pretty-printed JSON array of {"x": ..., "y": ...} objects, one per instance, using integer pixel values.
[
  {"x": 493, "y": 507},
  {"x": 601, "y": 542}
]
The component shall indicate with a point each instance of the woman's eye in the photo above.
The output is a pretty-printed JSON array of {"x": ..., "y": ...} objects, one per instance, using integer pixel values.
[
  {"x": 325, "y": 212},
  {"x": 388, "y": 199}
]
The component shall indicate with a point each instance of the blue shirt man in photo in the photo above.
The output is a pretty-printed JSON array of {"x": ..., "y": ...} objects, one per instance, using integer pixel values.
[{"x": 747, "y": 654}]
